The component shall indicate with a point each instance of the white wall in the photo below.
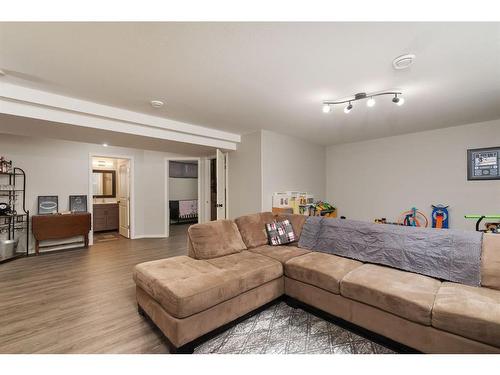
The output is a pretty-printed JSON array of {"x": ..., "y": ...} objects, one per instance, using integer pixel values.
[
  {"x": 290, "y": 163},
  {"x": 182, "y": 188},
  {"x": 268, "y": 162},
  {"x": 383, "y": 177},
  {"x": 55, "y": 167},
  {"x": 245, "y": 177}
]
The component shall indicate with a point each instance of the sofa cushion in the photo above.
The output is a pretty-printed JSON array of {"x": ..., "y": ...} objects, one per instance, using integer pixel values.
[
  {"x": 280, "y": 253},
  {"x": 468, "y": 311},
  {"x": 215, "y": 239},
  {"x": 401, "y": 293},
  {"x": 184, "y": 286},
  {"x": 490, "y": 261},
  {"x": 322, "y": 270},
  {"x": 296, "y": 220},
  {"x": 251, "y": 269},
  {"x": 253, "y": 228}
]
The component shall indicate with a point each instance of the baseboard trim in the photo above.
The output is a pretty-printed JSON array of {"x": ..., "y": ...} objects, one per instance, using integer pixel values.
[{"x": 139, "y": 236}]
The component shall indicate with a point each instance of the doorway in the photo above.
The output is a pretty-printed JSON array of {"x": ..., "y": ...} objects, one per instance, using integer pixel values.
[
  {"x": 111, "y": 198},
  {"x": 182, "y": 194}
]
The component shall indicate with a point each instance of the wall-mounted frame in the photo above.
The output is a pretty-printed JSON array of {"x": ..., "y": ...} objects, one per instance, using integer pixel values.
[
  {"x": 78, "y": 203},
  {"x": 483, "y": 164},
  {"x": 48, "y": 204}
]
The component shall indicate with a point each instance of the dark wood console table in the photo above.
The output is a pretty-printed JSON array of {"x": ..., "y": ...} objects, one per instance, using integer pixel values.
[{"x": 55, "y": 227}]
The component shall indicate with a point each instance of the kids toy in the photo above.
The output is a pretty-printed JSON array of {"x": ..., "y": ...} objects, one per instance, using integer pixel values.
[
  {"x": 480, "y": 218},
  {"x": 324, "y": 209},
  {"x": 383, "y": 220},
  {"x": 440, "y": 216},
  {"x": 413, "y": 218}
]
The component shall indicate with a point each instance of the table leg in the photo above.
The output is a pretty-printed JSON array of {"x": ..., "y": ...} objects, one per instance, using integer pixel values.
[{"x": 37, "y": 247}]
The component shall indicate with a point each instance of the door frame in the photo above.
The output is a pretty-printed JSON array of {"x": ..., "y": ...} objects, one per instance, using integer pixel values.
[
  {"x": 226, "y": 171},
  {"x": 90, "y": 197},
  {"x": 167, "y": 192}
]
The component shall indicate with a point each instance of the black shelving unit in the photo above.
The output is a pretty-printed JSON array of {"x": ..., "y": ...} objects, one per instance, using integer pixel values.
[{"x": 14, "y": 225}]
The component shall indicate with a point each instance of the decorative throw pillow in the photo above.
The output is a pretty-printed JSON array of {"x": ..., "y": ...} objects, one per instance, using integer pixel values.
[{"x": 280, "y": 232}]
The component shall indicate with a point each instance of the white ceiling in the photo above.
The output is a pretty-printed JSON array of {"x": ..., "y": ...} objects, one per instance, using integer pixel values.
[{"x": 242, "y": 77}]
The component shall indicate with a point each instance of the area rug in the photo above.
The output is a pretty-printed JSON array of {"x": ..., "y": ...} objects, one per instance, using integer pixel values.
[{"x": 282, "y": 329}]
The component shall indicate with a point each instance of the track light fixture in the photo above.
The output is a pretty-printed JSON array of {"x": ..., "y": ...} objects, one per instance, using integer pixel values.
[
  {"x": 398, "y": 101},
  {"x": 329, "y": 104},
  {"x": 348, "y": 108}
]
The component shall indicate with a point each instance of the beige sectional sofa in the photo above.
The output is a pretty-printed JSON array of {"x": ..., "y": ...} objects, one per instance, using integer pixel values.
[{"x": 231, "y": 272}]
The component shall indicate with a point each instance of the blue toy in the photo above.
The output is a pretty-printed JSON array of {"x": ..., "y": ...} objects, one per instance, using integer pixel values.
[{"x": 440, "y": 216}]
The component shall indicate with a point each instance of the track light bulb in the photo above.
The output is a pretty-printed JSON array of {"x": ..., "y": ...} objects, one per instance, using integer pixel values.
[
  {"x": 327, "y": 108},
  {"x": 398, "y": 101},
  {"x": 348, "y": 108},
  {"x": 370, "y": 102}
]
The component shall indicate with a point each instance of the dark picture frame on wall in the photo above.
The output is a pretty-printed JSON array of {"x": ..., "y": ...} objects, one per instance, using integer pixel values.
[
  {"x": 48, "y": 204},
  {"x": 78, "y": 203},
  {"x": 483, "y": 164}
]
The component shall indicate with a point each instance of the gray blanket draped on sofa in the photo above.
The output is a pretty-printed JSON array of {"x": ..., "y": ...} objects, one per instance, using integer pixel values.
[{"x": 446, "y": 254}]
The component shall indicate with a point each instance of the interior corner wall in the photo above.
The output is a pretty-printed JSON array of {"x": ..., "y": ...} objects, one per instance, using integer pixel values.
[
  {"x": 245, "y": 177},
  {"x": 56, "y": 167},
  {"x": 290, "y": 163},
  {"x": 383, "y": 177}
]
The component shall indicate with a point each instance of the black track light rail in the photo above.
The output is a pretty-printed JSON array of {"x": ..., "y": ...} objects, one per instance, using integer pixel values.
[{"x": 361, "y": 96}]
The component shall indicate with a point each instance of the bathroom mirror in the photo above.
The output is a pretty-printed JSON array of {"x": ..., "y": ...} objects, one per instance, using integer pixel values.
[{"x": 103, "y": 184}]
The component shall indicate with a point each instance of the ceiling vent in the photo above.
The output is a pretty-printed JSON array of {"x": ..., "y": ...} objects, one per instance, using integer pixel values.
[
  {"x": 403, "y": 62},
  {"x": 156, "y": 103}
]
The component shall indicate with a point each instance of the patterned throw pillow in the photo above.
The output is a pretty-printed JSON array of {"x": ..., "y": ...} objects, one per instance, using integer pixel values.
[{"x": 280, "y": 233}]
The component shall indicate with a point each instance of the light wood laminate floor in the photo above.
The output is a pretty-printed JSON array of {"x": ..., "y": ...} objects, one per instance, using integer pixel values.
[{"x": 81, "y": 301}]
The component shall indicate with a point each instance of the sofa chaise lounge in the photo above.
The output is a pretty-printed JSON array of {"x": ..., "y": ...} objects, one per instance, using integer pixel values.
[{"x": 231, "y": 271}]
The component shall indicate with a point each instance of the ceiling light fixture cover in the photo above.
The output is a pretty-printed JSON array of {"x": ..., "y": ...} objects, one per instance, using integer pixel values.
[
  {"x": 403, "y": 61},
  {"x": 329, "y": 104}
]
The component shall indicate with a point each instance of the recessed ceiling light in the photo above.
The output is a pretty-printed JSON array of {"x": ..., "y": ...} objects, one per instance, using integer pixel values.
[
  {"x": 403, "y": 61},
  {"x": 104, "y": 145},
  {"x": 157, "y": 103}
]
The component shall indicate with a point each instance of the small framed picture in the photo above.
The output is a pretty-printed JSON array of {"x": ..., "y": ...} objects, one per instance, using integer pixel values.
[
  {"x": 48, "y": 204},
  {"x": 78, "y": 203},
  {"x": 483, "y": 164}
]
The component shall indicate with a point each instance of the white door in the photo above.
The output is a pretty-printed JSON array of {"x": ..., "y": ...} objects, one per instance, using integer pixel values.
[
  {"x": 124, "y": 197},
  {"x": 221, "y": 184}
]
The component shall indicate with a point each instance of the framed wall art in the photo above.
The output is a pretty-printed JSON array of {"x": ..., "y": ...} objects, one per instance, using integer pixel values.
[
  {"x": 483, "y": 164},
  {"x": 48, "y": 204},
  {"x": 78, "y": 203}
]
